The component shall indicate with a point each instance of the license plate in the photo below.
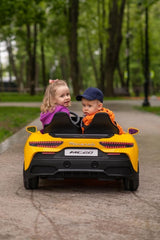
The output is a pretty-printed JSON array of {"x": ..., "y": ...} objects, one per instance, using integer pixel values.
[{"x": 81, "y": 152}]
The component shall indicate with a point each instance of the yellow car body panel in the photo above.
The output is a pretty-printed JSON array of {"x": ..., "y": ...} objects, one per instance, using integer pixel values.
[
  {"x": 60, "y": 151},
  {"x": 30, "y": 151}
]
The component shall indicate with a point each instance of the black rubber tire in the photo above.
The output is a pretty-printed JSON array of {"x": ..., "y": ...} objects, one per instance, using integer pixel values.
[
  {"x": 131, "y": 184},
  {"x": 30, "y": 183}
]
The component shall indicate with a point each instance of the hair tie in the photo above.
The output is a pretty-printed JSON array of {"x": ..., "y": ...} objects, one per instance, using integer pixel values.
[{"x": 52, "y": 81}]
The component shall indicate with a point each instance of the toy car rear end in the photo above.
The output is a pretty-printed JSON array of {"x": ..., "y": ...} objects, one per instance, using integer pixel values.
[{"x": 81, "y": 156}]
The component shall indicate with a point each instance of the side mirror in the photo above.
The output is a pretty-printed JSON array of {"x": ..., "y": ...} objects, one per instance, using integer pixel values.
[
  {"x": 133, "y": 131},
  {"x": 31, "y": 129}
]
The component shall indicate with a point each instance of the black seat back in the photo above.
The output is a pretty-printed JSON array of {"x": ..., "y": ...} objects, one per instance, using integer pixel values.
[
  {"x": 61, "y": 123},
  {"x": 101, "y": 124}
]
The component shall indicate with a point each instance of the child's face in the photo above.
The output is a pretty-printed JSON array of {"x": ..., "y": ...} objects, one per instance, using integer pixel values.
[
  {"x": 62, "y": 96},
  {"x": 90, "y": 107}
]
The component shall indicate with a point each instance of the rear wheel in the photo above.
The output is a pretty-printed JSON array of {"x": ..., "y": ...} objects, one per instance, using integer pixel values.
[
  {"x": 131, "y": 184},
  {"x": 30, "y": 183}
]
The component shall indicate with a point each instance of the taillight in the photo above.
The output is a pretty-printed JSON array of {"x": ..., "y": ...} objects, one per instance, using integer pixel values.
[
  {"x": 49, "y": 144},
  {"x": 116, "y": 144}
]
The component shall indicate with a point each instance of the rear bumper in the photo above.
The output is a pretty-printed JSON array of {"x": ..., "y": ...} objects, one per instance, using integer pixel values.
[{"x": 103, "y": 167}]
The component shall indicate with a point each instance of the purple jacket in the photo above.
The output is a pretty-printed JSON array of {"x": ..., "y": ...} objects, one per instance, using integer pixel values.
[{"x": 46, "y": 118}]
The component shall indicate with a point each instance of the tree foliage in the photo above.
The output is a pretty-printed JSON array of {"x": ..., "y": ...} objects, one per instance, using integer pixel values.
[{"x": 81, "y": 41}]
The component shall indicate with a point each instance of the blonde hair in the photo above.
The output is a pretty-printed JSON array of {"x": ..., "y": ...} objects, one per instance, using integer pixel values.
[{"x": 47, "y": 104}]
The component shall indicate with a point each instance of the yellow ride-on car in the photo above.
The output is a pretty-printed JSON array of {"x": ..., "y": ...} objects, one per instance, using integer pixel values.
[{"x": 63, "y": 152}]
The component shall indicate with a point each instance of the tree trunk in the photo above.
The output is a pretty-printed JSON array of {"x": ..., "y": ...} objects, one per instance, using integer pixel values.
[
  {"x": 12, "y": 64},
  {"x": 31, "y": 58},
  {"x": 64, "y": 67},
  {"x": 33, "y": 66},
  {"x": 43, "y": 63},
  {"x": 92, "y": 57},
  {"x": 73, "y": 44},
  {"x": 1, "y": 74},
  {"x": 121, "y": 75},
  {"x": 116, "y": 10},
  {"x": 101, "y": 27}
]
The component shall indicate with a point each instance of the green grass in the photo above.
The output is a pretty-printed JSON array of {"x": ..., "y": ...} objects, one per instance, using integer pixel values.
[
  {"x": 155, "y": 110},
  {"x": 25, "y": 97},
  {"x": 13, "y": 119},
  {"x": 19, "y": 97}
]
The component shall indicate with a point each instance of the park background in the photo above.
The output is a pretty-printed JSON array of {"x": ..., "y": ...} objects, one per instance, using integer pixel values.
[{"x": 109, "y": 44}]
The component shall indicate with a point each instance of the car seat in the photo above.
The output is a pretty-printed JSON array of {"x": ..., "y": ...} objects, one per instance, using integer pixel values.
[
  {"x": 62, "y": 124},
  {"x": 101, "y": 124}
]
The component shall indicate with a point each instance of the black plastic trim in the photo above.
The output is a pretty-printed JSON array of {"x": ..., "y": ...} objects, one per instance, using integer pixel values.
[{"x": 58, "y": 166}]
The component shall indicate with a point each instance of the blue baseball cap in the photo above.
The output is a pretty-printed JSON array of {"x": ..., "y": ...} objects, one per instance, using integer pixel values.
[{"x": 91, "y": 93}]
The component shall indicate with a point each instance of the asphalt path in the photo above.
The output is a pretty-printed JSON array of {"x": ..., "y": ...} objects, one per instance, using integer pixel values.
[{"x": 80, "y": 210}]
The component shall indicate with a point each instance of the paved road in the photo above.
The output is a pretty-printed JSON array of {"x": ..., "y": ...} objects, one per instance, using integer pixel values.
[{"x": 84, "y": 210}]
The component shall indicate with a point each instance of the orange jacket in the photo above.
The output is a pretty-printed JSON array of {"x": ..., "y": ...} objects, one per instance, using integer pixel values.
[{"x": 88, "y": 119}]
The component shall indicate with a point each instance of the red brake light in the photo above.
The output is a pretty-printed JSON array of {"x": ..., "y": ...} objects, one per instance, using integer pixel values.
[
  {"x": 116, "y": 144},
  {"x": 49, "y": 144}
]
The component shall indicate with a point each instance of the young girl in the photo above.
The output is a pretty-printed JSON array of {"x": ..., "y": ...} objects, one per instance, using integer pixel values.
[{"x": 56, "y": 99}]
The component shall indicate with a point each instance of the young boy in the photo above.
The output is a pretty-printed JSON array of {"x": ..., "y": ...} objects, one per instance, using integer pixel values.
[{"x": 92, "y": 103}]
